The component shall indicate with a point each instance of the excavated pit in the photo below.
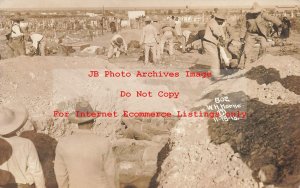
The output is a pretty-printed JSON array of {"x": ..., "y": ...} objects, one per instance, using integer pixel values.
[{"x": 140, "y": 161}]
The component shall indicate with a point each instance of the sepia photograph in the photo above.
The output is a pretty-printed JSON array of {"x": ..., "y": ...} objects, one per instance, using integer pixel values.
[{"x": 149, "y": 94}]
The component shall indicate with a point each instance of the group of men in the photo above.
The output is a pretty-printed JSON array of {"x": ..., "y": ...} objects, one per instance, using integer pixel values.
[
  {"x": 82, "y": 159},
  {"x": 154, "y": 37},
  {"x": 224, "y": 46},
  {"x": 219, "y": 36},
  {"x": 16, "y": 39},
  {"x": 218, "y": 42}
]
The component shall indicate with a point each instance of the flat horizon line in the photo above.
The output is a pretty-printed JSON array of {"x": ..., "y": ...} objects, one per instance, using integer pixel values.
[{"x": 140, "y": 7}]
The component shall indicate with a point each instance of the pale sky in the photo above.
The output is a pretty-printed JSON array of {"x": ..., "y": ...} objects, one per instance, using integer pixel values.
[{"x": 136, "y": 3}]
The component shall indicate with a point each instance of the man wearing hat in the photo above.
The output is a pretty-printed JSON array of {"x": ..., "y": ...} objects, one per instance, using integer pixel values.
[
  {"x": 117, "y": 46},
  {"x": 150, "y": 40},
  {"x": 213, "y": 38},
  {"x": 255, "y": 29},
  {"x": 16, "y": 42},
  {"x": 23, "y": 164},
  {"x": 84, "y": 159}
]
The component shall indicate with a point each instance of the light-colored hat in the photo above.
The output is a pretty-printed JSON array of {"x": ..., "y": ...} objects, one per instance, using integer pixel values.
[
  {"x": 220, "y": 15},
  {"x": 256, "y": 8},
  {"x": 147, "y": 19},
  {"x": 155, "y": 18},
  {"x": 12, "y": 118},
  {"x": 83, "y": 107}
]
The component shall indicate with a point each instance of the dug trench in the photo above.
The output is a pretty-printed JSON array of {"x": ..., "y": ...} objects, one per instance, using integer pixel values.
[
  {"x": 267, "y": 141},
  {"x": 141, "y": 151}
]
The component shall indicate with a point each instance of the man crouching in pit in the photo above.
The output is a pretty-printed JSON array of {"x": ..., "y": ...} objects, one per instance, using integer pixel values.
[
  {"x": 117, "y": 46},
  {"x": 84, "y": 159}
]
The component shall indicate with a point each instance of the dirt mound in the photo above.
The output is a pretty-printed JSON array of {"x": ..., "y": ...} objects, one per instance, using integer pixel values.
[
  {"x": 253, "y": 152},
  {"x": 263, "y": 75},
  {"x": 292, "y": 83},
  {"x": 267, "y": 76},
  {"x": 269, "y": 135},
  {"x": 286, "y": 65}
]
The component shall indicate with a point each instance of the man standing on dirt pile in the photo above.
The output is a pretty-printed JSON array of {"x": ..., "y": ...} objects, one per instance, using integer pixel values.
[
  {"x": 84, "y": 159},
  {"x": 16, "y": 40},
  {"x": 117, "y": 46},
  {"x": 23, "y": 164},
  {"x": 255, "y": 29},
  {"x": 213, "y": 38},
  {"x": 150, "y": 40}
]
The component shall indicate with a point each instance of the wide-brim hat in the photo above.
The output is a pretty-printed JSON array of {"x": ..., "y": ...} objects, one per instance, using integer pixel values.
[
  {"x": 147, "y": 19},
  {"x": 81, "y": 107},
  {"x": 221, "y": 16},
  {"x": 12, "y": 118}
]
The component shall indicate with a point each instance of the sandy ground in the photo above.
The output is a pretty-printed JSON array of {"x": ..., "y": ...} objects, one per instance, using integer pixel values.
[{"x": 200, "y": 152}]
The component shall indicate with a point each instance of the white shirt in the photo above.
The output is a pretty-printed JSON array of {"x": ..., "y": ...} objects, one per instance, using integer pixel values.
[
  {"x": 24, "y": 162},
  {"x": 178, "y": 27},
  {"x": 36, "y": 38},
  {"x": 186, "y": 34},
  {"x": 16, "y": 31}
]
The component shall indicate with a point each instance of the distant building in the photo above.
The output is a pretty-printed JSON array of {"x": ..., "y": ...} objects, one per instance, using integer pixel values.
[
  {"x": 287, "y": 10},
  {"x": 91, "y": 14},
  {"x": 135, "y": 14}
]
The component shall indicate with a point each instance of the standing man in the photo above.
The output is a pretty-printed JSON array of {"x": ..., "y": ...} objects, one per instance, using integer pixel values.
[
  {"x": 255, "y": 29},
  {"x": 84, "y": 159},
  {"x": 150, "y": 40},
  {"x": 168, "y": 36},
  {"x": 285, "y": 31},
  {"x": 157, "y": 25},
  {"x": 16, "y": 42},
  {"x": 213, "y": 38},
  {"x": 179, "y": 33},
  {"x": 117, "y": 46},
  {"x": 24, "y": 164}
]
